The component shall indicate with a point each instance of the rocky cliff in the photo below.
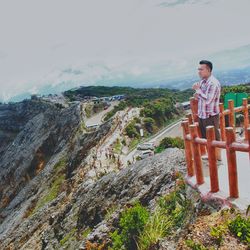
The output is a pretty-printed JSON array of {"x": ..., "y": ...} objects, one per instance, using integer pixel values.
[
  {"x": 35, "y": 135},
  {"x": 52, "y": 196},
  {"x": 46, "y": 190}
]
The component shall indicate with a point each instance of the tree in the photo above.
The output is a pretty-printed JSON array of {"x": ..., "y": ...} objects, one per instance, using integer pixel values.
[{"x": 149, "y": 124}]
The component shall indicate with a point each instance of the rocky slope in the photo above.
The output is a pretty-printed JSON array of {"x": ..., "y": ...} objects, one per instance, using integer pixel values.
[
  {"x": 48, "y": 198},
  {"x": 83, "y": 203},
  {"x": 35, "y": 136},
  {"x": 51, "y": 197}
]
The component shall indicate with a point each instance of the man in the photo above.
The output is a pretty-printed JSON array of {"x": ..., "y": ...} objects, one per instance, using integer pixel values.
[{"x": 207, "y": 91}]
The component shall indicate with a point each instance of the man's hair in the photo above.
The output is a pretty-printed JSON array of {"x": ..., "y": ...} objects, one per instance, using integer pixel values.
[{"x": 208, "y": 63}]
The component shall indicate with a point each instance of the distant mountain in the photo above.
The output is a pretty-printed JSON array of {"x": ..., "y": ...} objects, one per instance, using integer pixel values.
[
  {"x": 226, "y": 77},
  {"x": 233, "y": 65}
]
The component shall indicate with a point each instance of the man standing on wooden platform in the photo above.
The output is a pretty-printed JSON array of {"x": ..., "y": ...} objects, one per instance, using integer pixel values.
[{"x": 207, "y": 91}]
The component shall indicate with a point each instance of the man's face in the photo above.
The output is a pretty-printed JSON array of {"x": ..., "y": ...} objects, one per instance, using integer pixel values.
[{"x": 203, "y": 71}]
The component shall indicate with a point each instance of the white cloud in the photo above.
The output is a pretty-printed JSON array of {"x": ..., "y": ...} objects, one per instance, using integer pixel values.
[{"x": 112, "y": 39}]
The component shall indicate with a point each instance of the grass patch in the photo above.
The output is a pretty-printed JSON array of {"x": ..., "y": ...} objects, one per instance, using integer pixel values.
[
  {"x": 117, "y": 146},
  {"x": 52, "y": 193},
  {"x": 134, "y": 142},
  {"x": 86, "y": 232},
  {"x": 171, "y": 213},
  {"x": 53, "y": 190},
  {"x": 195, "y": 245},
  {"x": 67, "y": 237},
  {"x": 158, "y": 226},
  {"x": 60, "y": 165}
]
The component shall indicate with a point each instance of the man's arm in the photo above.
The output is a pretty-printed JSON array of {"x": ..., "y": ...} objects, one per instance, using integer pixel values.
[{"x": 210, "y": 93}]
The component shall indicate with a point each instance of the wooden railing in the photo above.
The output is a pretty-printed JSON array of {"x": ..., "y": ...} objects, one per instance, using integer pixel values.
[{"x": 195, "y": 146}]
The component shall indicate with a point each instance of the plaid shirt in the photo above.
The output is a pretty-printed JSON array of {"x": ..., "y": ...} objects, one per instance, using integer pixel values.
[{"x": 209, "y": 97}]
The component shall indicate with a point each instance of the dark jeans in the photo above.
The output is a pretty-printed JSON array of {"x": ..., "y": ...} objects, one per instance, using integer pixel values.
[{"x": 210, "y": 121}]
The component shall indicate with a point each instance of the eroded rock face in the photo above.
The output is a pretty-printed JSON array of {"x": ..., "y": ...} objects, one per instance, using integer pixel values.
[
  {"x": 44, "y": 134},
  {"x": 27, "y": 174},
  {"x": 13, "y": 118},
  {"x": 41, "y": 137},
  {"x": 143, "y": 181}
]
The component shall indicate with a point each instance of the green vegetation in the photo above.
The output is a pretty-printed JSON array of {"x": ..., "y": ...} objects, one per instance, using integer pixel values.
[
  {"x": 217, "y": 233},
  {"x": 86, "y": 232},
  {"x": 88, "y": 110},
  {"x": 131, "y": 130},
  {"x": 68, "y": 237},
  {"x": 135, "y": 96},
  {"x": 176, "y": 205},
  {"x": 131, "y": 223},
  {"x": 240, "y": 227},
  {"x": 159, "y": 110},
  {"x": 60, "y": 165},
  {"x": 158, "y": 226},
  {"x": 139, "y": 229},
  {"x": 117, "y": 146},
  {"x": 121, "y": 106},
  {"x": 155, "y": 99},
  {"x": 133, "y": 143},
  {"x": 52, "y": 192},
  {"x": 55, "y": 185},
  {"x": 194, "y": 245},
  {"x": 169, "y": 142},
  {"x": 235, "y": 88},
  {"x": 228, "y": 224},
  {"x": 149, "y": 124}
]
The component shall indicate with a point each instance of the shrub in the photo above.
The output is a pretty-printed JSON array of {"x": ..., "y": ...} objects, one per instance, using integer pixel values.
[
  {"x": 149, "y": 124},
  {"x": 169, "y": 142},
  {"x": 131, "y": 224},
  {"x": 140, "y": 230},
  {"x": 176, "y": 205},
  {"x": 117, "y": 241},
  {"x": 137, "y": 120},
  {"x": 217, "y": 233},
  {"x": 131, "y": 130},
  {"x": 158, "y": 226},
  {"x": 170, "y": 213},
  {"x": 240, "y": 227}
]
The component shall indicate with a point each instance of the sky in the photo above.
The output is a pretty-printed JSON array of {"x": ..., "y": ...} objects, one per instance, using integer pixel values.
[{"x": 68, "y": 43}]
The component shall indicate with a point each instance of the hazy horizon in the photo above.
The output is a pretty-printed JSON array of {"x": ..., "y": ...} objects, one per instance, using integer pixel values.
[{"x": 57, "y": 45}]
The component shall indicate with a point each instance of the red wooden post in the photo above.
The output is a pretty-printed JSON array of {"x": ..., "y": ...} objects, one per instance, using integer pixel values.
[
  {"x": 196, "y": 154},
  {"x": 202, "y": 147},
  {"x": 190, "y": 118},
  {"x": 222, "y": 122},
  {"x": 212, "y": 161},
  {"x": 232, "y": 164},
  {"x": 194, "y": 108},
  {"x": 246, "y": 118},
  {"x": 188, "y": 150},
  {"x": 231, "y": 114}
]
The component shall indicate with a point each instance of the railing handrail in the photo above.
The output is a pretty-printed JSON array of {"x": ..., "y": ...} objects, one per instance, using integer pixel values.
[{"x": 195, "y": 146}]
